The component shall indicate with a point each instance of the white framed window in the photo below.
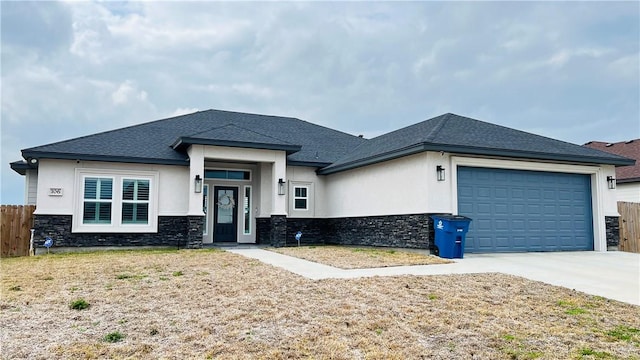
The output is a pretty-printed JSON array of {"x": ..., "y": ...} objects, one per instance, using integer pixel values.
[
  {"x": 205, "y": 207},
  {"x": 301, "y": 197},
  {"x": 135, "y": 201},
  {"x": 246, "y": 212},
  {"x": 228, "y": 174},
  {"x": 115, "y": 201},
  {"x": 97, "y": 200}
]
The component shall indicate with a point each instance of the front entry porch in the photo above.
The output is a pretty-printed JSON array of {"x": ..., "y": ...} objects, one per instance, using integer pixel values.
[{"x": 238, "y": 185}]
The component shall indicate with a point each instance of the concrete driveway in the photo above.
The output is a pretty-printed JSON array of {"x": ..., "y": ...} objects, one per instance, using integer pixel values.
[{"x": 614, "y": 275}]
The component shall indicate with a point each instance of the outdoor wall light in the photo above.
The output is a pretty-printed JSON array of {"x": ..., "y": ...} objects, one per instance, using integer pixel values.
[
  {"x": 440, "y": 172},
  {"x": 611, "y": 181},
  {"x": 280, "y": 186},
  {"x": 197, "y": 184}
]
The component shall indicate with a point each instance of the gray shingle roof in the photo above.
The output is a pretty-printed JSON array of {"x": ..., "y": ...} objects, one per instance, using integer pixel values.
[
  {"x": 232, "y": 135},
  {"x": 458, "y": 134},
  {"x": 165, "y": 141},
  {"x": 152, "y": 142}
]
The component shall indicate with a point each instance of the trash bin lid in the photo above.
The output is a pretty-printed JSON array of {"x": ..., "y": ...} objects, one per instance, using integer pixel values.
[{"x": 450, "y": 217}]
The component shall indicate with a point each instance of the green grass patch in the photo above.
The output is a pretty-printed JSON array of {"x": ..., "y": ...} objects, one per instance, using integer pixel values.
[
  {"x": 596, "y": 354},
  {"x": 79, "y": 304},
  {"x": 177, "y": 273},
  {"x": 625, "y": 333},
  {"x": 571, "y": 307},
  {"x": 565, "y": 303},
  {"x": 125, "y": 276},
  {"x": 113, "y": 337},
  {"x": 575, "y": 311}
]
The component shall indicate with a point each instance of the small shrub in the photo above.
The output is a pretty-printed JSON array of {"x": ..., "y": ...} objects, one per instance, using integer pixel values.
[
  {"x": 154, "y": 332},
  {"x": 79, "y": 304},
  {"x": 113, "y": 337},
  {"x": 15, "y": 288}
]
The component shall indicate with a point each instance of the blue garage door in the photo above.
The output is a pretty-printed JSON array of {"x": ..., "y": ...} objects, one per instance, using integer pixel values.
[{"x": 518, "y": 211}]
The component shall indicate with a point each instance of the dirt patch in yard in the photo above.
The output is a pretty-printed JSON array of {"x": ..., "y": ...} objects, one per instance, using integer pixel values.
[
  {"x": 213, "y": 304},
  {"x": 346, "y": 257}
]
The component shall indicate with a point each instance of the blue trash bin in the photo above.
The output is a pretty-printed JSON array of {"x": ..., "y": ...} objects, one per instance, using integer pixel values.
[{"x": 450, "y": 233}]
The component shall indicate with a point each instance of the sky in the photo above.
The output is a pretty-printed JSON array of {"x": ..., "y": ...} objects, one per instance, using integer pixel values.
[{"x": 566, "y": 70}]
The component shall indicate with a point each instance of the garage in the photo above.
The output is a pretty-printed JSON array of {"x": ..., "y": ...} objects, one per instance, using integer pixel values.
[{"x": 522, "y": 211}]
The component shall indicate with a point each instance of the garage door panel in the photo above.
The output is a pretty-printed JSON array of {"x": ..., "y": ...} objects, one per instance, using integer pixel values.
[{"x": 515, "y": 210}]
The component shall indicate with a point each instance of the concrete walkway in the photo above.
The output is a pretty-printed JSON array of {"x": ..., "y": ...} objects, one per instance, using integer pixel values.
[{"x": 614, "y": 275}]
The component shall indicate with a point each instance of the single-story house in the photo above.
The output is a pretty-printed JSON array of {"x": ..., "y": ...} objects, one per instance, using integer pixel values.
[
  {"x": 219, "y": 176},
  {"x": 627, "y": 178}
]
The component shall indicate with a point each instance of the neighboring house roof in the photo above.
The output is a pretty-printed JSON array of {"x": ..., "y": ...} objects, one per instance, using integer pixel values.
[
  {"x": 459, "y": 134},
  {"x": 164, "y": 141},
  {"x": 629, "y": 149}
]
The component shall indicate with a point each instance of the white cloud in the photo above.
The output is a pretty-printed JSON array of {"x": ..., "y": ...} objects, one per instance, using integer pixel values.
[
  {"x": 127, "y": 92},
  {"x": 181, "y": 111},
  {"x": 77, "y": 68}
]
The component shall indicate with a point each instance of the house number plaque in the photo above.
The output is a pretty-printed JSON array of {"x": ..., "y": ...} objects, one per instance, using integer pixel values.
[{"x": 55, "y": 191}]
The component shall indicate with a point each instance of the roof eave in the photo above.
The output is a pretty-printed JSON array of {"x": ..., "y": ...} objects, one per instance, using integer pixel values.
[
  {"x": 27, "y": 154},
  {"x": 472, "y": 151},
  {"x": 628, "y": 180},
  {"x": 21, "y": 167},
  {"x": 308, "y": 163},
  {"x": 373, "y": 160},
  {"x": 183, "y": 142}
]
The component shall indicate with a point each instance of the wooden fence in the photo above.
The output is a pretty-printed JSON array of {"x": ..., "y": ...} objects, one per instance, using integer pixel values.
[
  {"x": 15, "y": 229},
  {"x": 629, "y": 226}
]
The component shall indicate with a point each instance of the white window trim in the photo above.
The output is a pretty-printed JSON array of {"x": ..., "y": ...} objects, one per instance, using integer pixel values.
[
  {"x": 244, "y": 225},
  {"x": 98, "y": 200},
  {"x": 116, "y": 225},
  {"x": 206, "y": 201},
  {"x": 136, "y": 201},
  {"x": 228, "y": 169},
  {"x": 306, "y": 187}
]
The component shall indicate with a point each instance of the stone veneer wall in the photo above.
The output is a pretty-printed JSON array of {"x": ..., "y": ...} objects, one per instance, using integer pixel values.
[
  {"x": 278, "y": 230},
  {"x": 404, "y": 231},
  {"x": 263, "y": 231},
  {"x": 408, "y": 231},
  {"x": 612, "y": 225},
  {"x": 178, "y": 231}
]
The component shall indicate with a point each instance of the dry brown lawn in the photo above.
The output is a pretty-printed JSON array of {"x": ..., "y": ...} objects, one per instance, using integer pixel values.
[
  {"x": 345, "y": 257},
  {"x": 214, "y": 304}
]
